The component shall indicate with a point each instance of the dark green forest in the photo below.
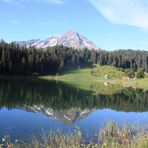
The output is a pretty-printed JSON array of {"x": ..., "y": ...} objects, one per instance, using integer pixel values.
[{"x": 16, "y": 60}]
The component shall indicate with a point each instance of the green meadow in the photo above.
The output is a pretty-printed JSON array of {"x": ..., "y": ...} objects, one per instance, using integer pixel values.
[{"x": 94, "y": 79}]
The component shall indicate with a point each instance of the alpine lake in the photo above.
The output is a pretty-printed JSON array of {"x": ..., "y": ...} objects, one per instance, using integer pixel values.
[{"x": 30, "y": 107}]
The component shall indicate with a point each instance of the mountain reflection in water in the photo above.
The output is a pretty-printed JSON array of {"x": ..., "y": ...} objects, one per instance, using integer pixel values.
[{"x": 68, "y": 105}]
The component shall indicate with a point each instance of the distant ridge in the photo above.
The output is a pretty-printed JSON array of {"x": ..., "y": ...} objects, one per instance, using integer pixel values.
[{"x": 69, "y": 39}]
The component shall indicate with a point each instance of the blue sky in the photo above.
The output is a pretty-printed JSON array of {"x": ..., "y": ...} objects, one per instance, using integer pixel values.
[{"x": 110, "y": 24}]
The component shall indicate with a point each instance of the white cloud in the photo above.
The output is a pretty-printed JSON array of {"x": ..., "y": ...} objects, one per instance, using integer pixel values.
[
  {"x": 66, "y": 21},
  {"x": 127, "y": 12},
  {"x": 15, "y": 22},
  {"x": 109, "y": 39},
  {"x": 50, "y": 2},
  {"x": 9, "y": 1}
]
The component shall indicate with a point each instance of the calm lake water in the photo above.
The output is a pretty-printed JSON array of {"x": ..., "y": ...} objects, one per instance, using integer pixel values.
[{"x": 28, "y": 107}]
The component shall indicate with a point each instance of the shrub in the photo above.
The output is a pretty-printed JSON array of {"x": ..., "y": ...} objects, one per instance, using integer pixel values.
[
  {"x": 111, "y": 136},
  {"x": 140, "y": 73},
  {"x": 130, "y": 73}
]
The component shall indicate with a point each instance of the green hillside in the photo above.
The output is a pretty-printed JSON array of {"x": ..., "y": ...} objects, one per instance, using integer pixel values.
[{"x": 93, "y": 79}]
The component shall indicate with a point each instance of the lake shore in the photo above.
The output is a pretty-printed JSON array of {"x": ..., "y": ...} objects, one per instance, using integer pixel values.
[
  {"x": 85, "y": 78},
  {"x": 111, "y": 136},
  {"x": 93, "y": 79}
]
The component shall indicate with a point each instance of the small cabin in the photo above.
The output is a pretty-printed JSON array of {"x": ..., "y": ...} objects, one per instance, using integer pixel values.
[
  {"x": 106, "y": 76},
  {"x": 106, "y": 83},
  {"x": 126, "y": 78}
]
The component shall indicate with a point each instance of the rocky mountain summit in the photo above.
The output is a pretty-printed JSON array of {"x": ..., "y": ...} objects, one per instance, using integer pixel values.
[{"x": 69, "y": 39}]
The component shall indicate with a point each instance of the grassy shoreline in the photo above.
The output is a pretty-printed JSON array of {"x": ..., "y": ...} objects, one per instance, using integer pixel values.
[
  {"x": 88, "y": 78},
  {"x": 93, "y": 79},
  {"x": 110, "y": 136}
]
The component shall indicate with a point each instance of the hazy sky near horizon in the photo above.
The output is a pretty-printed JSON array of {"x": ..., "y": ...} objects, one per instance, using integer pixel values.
[{"x": 110, "y": 24}]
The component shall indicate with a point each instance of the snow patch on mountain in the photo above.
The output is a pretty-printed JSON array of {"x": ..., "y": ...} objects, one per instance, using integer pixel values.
[{"x": 69, "y": 39}]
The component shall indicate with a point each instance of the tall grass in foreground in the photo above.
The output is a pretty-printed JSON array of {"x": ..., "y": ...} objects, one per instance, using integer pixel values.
[{"x": 111, "y": 136}]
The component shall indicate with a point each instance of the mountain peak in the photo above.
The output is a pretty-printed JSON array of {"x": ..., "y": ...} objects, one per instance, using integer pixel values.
[
  {"x": 1, "y": 40},
  {"x": 71, "y": 32},
  {"x": 70, "y": 39}
]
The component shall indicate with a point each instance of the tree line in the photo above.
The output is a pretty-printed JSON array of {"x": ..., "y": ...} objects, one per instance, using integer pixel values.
[{"x": 17, "y": 60}]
